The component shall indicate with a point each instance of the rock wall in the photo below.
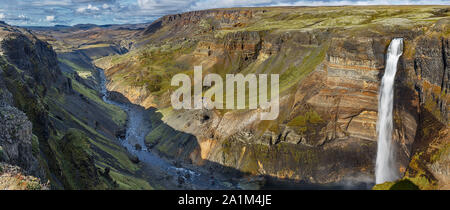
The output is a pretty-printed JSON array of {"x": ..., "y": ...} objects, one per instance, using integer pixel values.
[{"x": 18, "y": 146}]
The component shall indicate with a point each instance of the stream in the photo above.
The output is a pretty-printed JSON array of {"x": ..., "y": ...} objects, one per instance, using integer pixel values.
[{"x": 137, "y": 128}]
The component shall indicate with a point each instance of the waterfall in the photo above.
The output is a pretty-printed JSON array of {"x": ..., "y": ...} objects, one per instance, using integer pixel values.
[{"x": 385, "y": 169}]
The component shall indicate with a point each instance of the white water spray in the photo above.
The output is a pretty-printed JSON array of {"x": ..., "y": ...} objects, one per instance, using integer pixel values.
[{"x": 385, "y": 169}]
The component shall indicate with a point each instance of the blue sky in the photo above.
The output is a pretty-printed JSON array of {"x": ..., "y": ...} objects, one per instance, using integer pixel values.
[{"x": 71, "y": 12}]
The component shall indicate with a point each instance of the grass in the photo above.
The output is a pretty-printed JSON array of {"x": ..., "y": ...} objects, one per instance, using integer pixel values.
[
  {"x": 306, "y": 122},
  {"x": 295, "y": 74},
  {"x": 309, "y": 18},
  {"x": 403, "y": 184},
  {"x": 118, "y": 115},
  {"x": 94, "y": 46},
  {"x": 106, "y": 152}
]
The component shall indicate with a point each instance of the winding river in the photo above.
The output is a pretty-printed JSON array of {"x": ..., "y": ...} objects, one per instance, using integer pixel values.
[{"x": 137, "y": 128}]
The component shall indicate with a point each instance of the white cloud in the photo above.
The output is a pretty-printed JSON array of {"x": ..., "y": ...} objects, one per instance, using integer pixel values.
[
  {"x": 87, "y": 9},
  {"x": 165, "y": 6},
  {"x": 105, "y": 6},
  {"x": 50, "y": 18},
  {"x": 2, "y": 16}
]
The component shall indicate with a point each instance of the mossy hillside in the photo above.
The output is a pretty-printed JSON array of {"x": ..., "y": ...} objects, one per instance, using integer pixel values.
[
  {"x": 309, "y": 18},
  {"x": 28, "y": 97},
  {"x": 115, "y": 113},
  {"x": 419, "y": 175},
  {"x": 152, "y": 67},
  {"x": 170, "y": 142},
  {"x": 403, "y": 184},
  {"x": 108, "y": 150},
  {"x": 59, "y": 102},
  {"x": 82, "y": 173},
  {"x": 105, "y": 153},
  {"x": 77, "y": 162},
  {"x": 290, "y": 75},
  {"x": 431, "y": 147},
  {"x": 419, "y": 167},
  {"x": 310, "y": 124},
  {"x": 82, "y": 72},
  {"x": 90, "y": 46},
  {"x": 34, "y": 146},
  {"x": 273, "y": 160},
  {"x": 129, "y": 182}
]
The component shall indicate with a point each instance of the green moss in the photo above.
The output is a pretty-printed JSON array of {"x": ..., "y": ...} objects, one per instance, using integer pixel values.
[
  {"x": 170, "y": 142},
  {"x": 35, "y": 145},
  {"x": 1, "y": 153},
  {"x": 295, "y": 74},
  {"x": 155, "y": 135},
  {"x": 404, "y": 184},
  {"x": 154, "y": 67},
  {"x": 432, "y": 107},
  {"x": 309, "y": 119},
  {"x": 128, "y": 182},
  {"x": 73, "y": 66},
  {"x": 300, "y": 120},
  {"x": 105, "y": 151},
  {"x": 418, "y": 175},
  {"x": 94, "y": 46},
  {"x": 117, "y": 115},
  {"x": 77, "y": 163},
  {"x": 383, "y": 186}
]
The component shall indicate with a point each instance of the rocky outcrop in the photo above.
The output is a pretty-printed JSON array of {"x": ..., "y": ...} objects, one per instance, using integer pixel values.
[
  {"x": 18, "y": 145},
  {"x": 17, "y": 140},
  {"x": 218, "y": 19}
]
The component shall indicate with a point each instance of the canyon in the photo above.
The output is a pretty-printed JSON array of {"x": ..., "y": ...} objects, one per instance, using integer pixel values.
[{"x": 330, "y": 61}]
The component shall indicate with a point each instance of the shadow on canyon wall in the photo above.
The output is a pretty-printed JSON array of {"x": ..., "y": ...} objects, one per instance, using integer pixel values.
[{"x": 182, "y": 148}]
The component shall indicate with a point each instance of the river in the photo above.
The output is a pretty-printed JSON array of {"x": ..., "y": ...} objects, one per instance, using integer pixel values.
[{"x": 137, "y": 128}]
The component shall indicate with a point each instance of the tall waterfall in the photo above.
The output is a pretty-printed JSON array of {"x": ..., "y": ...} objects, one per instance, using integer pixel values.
[{"x": 385, "y": 169}]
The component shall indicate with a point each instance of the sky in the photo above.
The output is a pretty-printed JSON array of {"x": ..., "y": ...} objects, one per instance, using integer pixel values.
[{"x": 71, "y": 12}]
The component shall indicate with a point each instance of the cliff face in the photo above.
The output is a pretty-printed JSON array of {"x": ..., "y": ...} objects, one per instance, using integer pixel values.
[
  {"x": 28, "y": 70},
  {"x": 330, "y": 64},
  {"x": 54, "y": 125}
]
